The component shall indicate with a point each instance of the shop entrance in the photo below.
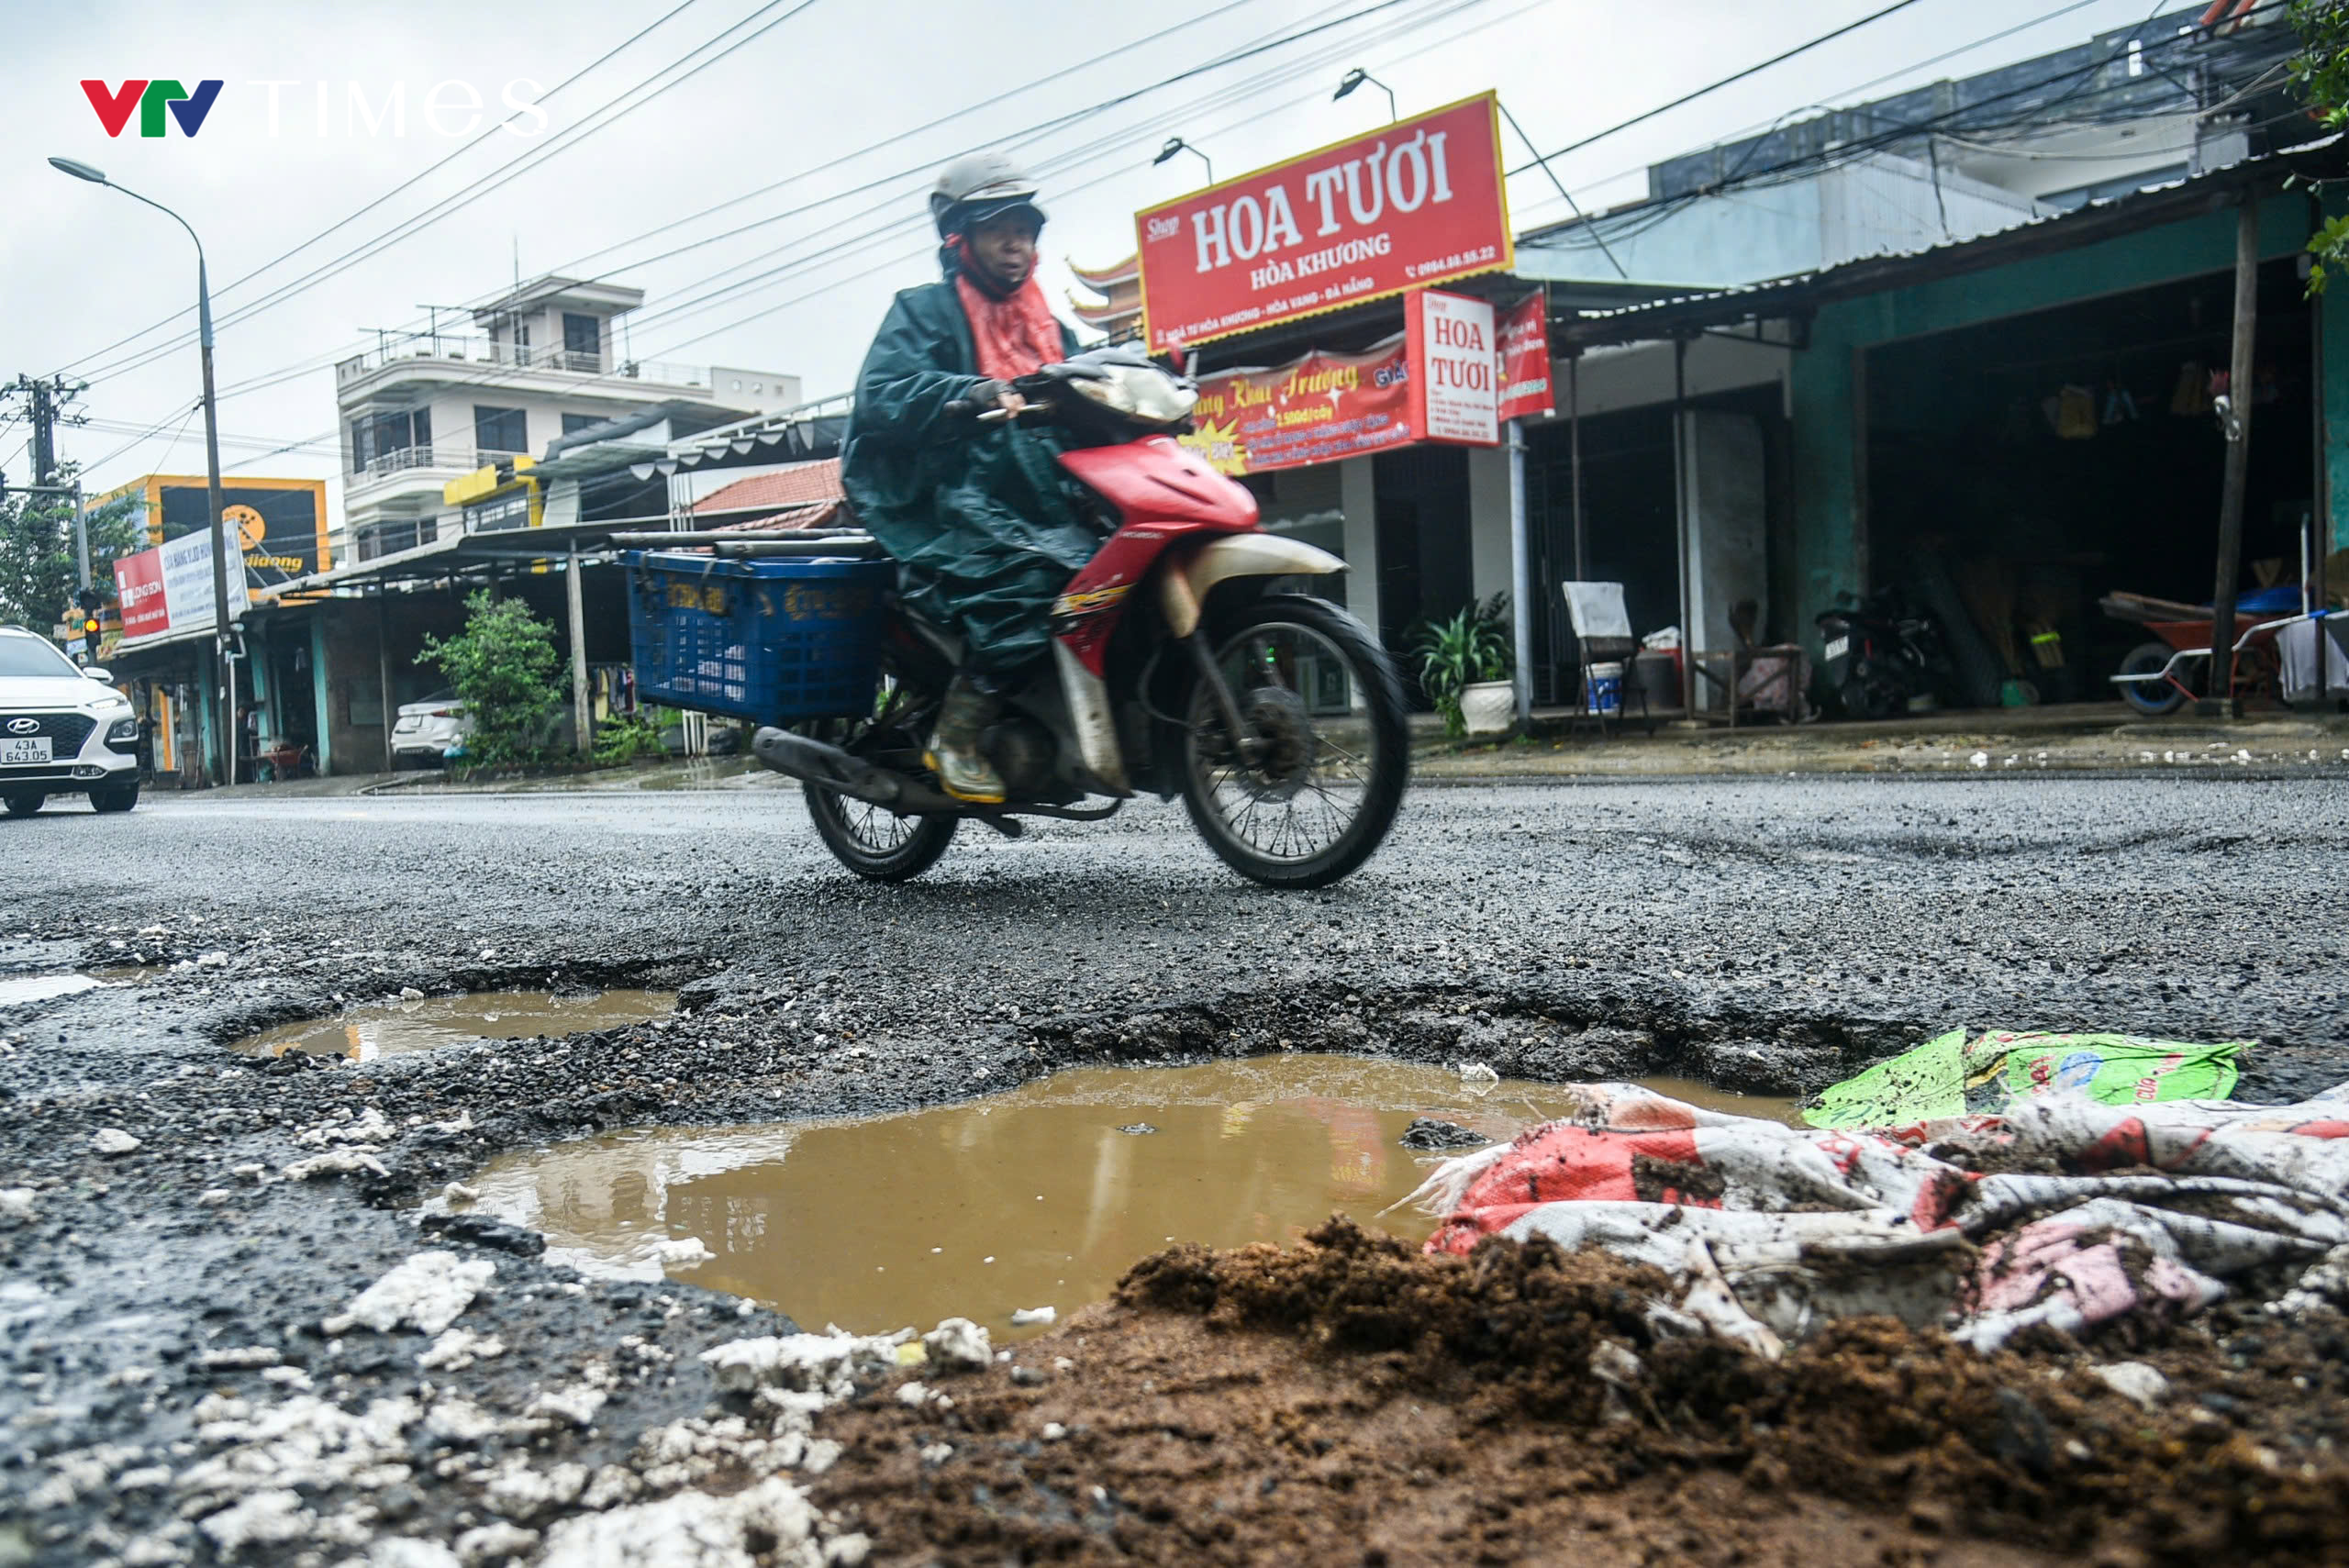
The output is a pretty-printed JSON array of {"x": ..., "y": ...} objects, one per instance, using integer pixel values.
[
  {"x": 2020, "y": 470},
  {"x": 1733, "y": 443}
]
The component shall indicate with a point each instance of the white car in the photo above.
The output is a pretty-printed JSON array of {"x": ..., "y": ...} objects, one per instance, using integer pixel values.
[
  {"x": 425, "y": 732},
  {"x": 63, "y": 730}
]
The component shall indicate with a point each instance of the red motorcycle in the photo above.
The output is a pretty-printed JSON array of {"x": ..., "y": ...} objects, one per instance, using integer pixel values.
[{"x": 1181, "y": 665}]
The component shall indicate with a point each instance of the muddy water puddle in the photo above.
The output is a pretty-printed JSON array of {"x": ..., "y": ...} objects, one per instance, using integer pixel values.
[
  {"x": 391, "y": 1028},
  {"x": 1038, "y": 1198}
]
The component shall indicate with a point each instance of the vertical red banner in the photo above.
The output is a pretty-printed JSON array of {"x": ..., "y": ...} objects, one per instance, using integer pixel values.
[{"x": 1526, "y": 392}]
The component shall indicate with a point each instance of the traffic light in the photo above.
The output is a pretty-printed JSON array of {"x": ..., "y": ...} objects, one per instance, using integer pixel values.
[
  {"x": 90, "y": 630},
  {"x": 89, "y": 599}
]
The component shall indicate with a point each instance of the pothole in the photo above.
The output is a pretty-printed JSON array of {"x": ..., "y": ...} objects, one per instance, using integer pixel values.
[
  {"x": 1038, "y": 1197},
  {"x": 15, "y": 990},
  {"x": 428, "y": 1023}
]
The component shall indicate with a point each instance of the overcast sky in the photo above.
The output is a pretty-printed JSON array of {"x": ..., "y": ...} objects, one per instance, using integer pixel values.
[{"x": 796, "y": 107}]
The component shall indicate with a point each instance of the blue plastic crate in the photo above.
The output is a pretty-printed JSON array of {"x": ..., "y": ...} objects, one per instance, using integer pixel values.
[{"x": 766, "y": 640}]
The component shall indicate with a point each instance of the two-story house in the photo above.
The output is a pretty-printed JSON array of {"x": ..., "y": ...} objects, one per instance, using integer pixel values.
[{"x": 545, "y": 360}]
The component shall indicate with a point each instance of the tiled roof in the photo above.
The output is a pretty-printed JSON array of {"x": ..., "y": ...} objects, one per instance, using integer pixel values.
[
  {"x": 801, "y": 485},
  {"x": 821, "y": 515}
]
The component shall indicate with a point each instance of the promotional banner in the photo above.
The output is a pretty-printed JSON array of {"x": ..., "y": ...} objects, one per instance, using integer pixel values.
[
  {"x": 1316, "y": 409},
  {"x": 1455, "y": 374},
  {"x": 138, "y": 593},
  {"x": 1525, "y": 359},
  {"x": 1418, "y": 203},
  {"x": 169, "y": 588}
]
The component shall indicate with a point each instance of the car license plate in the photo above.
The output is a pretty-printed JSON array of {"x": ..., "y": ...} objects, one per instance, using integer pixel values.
[
  {"x": 1838, "y": 647},
  {"x": 22, "y": 751}
]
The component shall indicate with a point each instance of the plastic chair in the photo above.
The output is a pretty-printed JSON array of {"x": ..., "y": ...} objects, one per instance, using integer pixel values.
[{"x": 1603, "y": 632}]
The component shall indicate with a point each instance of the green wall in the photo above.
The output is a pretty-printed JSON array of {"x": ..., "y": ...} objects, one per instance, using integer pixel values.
[
  {"x": 1829, "y": 550},
  {"x": 2332, "y": 314}
]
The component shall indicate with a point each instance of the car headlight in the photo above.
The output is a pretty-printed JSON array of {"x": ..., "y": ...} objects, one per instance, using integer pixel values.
[{"x": 122, "y": 731}]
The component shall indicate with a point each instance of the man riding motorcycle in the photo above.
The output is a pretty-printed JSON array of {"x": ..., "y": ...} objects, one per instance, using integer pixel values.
[{"x": 976, "y": 514}]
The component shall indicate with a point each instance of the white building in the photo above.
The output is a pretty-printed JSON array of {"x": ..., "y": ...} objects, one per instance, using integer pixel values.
[{"x": 548, "y": 358}]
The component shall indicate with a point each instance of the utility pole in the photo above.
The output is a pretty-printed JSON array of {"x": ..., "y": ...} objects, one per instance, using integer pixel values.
[
  {"x": 47, "y": 407},
  {"x": 2220, "y": 698}
]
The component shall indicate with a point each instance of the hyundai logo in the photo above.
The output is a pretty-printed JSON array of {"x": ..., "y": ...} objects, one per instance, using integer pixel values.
[{"x": 23, "y": 726}]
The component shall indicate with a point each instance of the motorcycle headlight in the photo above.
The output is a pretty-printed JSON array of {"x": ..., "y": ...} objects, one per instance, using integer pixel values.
[{"x": 1140, "y": 393}]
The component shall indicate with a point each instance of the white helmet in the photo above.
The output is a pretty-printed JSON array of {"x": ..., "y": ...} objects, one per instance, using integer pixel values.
[{"x": 980, "y": 186}]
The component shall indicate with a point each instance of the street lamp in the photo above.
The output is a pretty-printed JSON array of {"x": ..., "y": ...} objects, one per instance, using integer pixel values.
[
  {"x": 1175, "y": 144},
  {"x": 225, "y": 707},
  {"x": 1355, "y": 78}
]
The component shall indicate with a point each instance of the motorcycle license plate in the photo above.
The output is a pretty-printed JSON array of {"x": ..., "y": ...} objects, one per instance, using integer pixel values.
[
  {"x": 1838, "y": 647},
  {"x": 24, "y": 753}
]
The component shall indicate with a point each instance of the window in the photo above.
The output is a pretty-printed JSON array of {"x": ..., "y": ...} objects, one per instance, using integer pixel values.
[
  {"x": 496, "y": 515},
  {"x": 583, "y": 342},
  {"x": 574, "y": 423},
  {"x": 380, "y": 442},
  {"x": 500, "y": 431}
]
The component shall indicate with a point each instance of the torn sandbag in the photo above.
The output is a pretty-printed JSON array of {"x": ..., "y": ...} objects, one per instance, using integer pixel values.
[
  {"x": 1949, "y": 1076},
  {"x": 1769, "y": 1232}
]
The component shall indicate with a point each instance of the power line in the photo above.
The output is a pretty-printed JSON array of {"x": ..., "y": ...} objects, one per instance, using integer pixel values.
[
  {"x": 2081, "y": 76},
  {"x": 487, "y": 183},
  {"x": 1780, "y": 59},
  {"x": 562, "y": 142},
  {"x": 360, "y": 212},
  {"x": 1265, "y": 44},
  {"x": 1247, "y": 90}
]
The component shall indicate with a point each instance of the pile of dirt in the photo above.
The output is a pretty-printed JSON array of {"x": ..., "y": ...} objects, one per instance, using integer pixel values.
[{"x": 1352, "y": 1400}]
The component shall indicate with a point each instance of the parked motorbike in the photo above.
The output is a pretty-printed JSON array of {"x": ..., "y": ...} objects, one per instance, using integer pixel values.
[
  {"x": 1881, "y": 654},
  {"x": 1179, "y": 665}
]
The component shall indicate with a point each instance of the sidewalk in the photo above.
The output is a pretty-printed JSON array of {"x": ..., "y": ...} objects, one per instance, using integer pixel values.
[
  {"x": 2088, "y": 737},
  {"x": 2100, "y": 737}
]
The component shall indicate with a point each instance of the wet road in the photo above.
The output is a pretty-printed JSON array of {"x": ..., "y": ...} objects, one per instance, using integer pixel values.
[{"x": 1762, "y": 934}]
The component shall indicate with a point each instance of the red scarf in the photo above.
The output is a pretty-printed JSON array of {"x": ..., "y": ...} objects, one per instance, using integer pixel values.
[{"x": 1014, "y": 336}]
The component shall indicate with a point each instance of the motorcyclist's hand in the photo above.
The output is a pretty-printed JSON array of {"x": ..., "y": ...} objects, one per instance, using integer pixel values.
[{"x": 1010, "y": 402}]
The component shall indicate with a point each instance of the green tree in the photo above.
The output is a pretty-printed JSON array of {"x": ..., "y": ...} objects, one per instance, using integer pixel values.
[
  {"x": 37, "y": 558},
  {"x": 503, "y": 667},
  {"x": 2321, "y": 70}
]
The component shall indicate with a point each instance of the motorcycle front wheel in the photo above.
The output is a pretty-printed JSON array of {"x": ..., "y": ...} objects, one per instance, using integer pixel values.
[{"x": 1320, "y": 792}]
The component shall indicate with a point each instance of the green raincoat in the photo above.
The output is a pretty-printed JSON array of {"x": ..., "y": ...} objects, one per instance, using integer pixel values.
[{"x": 979, "y": 517}]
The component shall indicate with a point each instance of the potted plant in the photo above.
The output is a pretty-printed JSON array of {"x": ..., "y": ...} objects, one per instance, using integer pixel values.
[{"x": 1464, "y": 666}]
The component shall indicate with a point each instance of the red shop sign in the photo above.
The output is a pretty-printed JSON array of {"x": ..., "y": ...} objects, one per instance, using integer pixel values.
[{"x": 1418, "y": 203}]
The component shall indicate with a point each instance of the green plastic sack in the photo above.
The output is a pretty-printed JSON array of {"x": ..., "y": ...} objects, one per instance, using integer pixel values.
[{"x": 1949, "y": 1076}]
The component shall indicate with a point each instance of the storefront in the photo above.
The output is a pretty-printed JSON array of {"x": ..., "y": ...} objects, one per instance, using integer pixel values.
[{"x": 2008, "y": 431}]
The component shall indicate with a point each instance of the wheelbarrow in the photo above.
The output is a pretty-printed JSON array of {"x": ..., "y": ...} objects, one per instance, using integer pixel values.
[{"x": 2153, "y": 678}]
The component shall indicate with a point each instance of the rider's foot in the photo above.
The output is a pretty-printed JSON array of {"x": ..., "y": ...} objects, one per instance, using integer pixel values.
[{"x": 963, "y": 770}]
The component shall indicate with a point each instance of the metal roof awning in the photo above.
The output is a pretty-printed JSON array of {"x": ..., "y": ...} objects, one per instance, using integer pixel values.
[
  {"x": 793, "y": 435},
  {"x": 1694, "y": 311},
  {"x": 457, "y": 553}
]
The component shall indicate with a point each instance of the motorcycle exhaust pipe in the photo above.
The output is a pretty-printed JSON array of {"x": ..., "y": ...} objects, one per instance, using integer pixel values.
[
  {"x": 816, "y": 762},
  {"x": 813, "y": 762}
]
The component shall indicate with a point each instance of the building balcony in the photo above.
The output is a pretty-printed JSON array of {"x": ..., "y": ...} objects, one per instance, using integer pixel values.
[
  {"x": 439, "y": 357},
  {"x": 412, "y": 468}
]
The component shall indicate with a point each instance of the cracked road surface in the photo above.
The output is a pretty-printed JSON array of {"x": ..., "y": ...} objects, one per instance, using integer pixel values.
[{"x": 183, "y": 1375}]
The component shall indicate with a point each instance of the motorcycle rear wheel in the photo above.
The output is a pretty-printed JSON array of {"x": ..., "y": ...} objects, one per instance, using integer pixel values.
[
  {"x": 1326, "y": 698},
  {"x": 873, "y": 841}
]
